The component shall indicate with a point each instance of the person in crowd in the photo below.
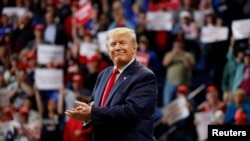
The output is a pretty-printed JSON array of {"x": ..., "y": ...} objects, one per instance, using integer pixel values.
[
  {"x": 69, "y": 95},
  {"x": 52, "y": 121},
  {"x": 120, "y": 19},
  {"x": 214, "y": 105},
  {"x": 132, "y": 100},
  {"x": 87, "y": 48},
  {"x": 9, "y": 74},
  {"x": 245, "y": 83},
  {"x": 179, "y": 64},
  {"x": 187, "y": 27},
  {"x": 235, "y": 57},
  {"x": 212, "y": 102},
  {"x": 53, "y": 32},
  {"x": 32, "y": 66},
  {"x": 23, "y": 31},
  {"x": 39, "y": 37},
  {"x": 153, "y": 60},
  {"x": 93, "y": 69},
  {"x": 73, "y": 130},
  {"x": 6, "y": 26},
  {"x": 4, "y": 57},
  {"x": 29, "y": 104},
  {"x": 184, "y": 127},
  {"x": 20, "y": 89},
  {"x": 238, "y": 112},
  {"x": 22, "y": 129}
]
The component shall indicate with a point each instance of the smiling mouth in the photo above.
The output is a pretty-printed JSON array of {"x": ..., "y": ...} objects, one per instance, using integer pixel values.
[{"x": 118, "y": 54}]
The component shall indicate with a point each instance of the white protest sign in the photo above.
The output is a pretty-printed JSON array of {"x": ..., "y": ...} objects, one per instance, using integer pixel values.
[
  {"x": 50, "y": 54},
  {"x": 48, "y": 79},
  {"x": 88, "y": 49},
  {"x": 203, "y": 120},
  {"x": 101, "y": 36},
  {"x": 176, "y": 111},
  {"x": 159, "y": 21},
  {"x": 199, "y": 17},
  {"x": 4, "y": 98},
  {"x": 214, "y": 34},
  {"x": 11, "y": 11},
  {"x": 241, "y": 29}
]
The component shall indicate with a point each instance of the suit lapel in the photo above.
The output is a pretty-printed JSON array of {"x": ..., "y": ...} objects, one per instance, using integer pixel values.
[
  {"x": 102, "y": 85},
  {"x": 126, "y": 74}
]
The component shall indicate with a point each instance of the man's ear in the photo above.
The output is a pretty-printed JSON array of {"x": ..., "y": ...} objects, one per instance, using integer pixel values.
[{"x": 134, "y": 49}]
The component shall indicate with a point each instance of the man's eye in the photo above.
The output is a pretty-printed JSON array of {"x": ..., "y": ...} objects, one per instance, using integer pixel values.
[
  {"x": 122, "y": 43},
  {"x": 112, "y": 45}
]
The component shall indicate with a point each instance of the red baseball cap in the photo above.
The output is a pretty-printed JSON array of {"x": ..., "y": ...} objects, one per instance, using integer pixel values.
[
  {"x": 31, "y": 55},
  {"x": 183, "y": 89},
  {"x": 23, "y": 111},
  {"x": 39, "y": 27},
  {"x": 77, "y": 78},
  {"x": 212, "y": 89},
  {"x": 240, "y": 117},
  {"x": 93, "y": 58}
]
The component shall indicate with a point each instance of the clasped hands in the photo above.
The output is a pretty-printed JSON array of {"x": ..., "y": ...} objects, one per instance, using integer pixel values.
[{"x": 82, "y": 111}]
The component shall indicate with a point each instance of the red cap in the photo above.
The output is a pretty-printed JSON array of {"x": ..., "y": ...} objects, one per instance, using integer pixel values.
[
  {"x": 31, "y": 55},
  {"x": 182, "y": 89},
  {"x": 212, "y": 89},
  {"x": 50, "y": 3},
  {"x": 74, "y": 3},
  {"x": 87, "y": 33},
  {"x": 93, "y": 58},
  {"x": 23, "y": 111},
  {"x": 77, "y": 78},
  {"x": 240, "y": 117},
  {"x": 39, "y": 27}
]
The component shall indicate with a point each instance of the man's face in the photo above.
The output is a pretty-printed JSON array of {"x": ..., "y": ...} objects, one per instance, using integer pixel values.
[
  {"x": 247, "y": 60},
  {"x": 121, "y": 50}
]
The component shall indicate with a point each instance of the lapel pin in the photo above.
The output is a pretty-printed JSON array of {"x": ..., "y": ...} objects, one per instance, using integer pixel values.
[{"x": 124, "y": 78}]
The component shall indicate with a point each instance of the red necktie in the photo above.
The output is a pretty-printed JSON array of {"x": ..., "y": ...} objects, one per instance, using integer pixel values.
[{"x": 109, "y": 85}]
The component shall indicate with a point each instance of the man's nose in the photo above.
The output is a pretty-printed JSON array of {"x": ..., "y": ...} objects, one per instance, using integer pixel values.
[{"x": 118, "y": 46}]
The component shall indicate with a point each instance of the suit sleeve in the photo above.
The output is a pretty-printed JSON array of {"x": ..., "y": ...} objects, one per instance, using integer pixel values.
[{"x": 140, "y": 102}]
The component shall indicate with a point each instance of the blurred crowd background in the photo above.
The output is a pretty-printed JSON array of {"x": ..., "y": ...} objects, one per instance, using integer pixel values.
[{"x": 51, "y": 52}]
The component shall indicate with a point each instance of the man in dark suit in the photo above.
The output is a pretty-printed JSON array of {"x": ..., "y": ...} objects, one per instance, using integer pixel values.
[{"x": 127, "y": 114}]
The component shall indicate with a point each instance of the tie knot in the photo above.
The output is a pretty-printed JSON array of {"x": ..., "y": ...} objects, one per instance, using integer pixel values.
[{"x": 116, "y": 71}]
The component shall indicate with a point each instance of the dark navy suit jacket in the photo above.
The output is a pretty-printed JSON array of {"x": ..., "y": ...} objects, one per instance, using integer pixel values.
[{"x": 128, "y": 114}]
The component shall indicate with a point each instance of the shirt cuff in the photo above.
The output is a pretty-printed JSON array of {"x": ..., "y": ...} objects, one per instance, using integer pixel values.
[{"x": 85, "y": 123}]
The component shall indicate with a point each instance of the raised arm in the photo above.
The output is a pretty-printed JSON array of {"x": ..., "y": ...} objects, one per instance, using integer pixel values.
[{"x": 38, "y": 100}]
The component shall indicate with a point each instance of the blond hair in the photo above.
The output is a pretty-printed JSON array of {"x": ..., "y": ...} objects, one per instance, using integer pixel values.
[
  {"x": 240, "y": 92},
  {"x": 129, "y": 33}
]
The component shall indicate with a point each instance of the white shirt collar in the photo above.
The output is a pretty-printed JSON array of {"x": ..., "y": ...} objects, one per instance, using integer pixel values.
[{"x": 123, "y": 68}]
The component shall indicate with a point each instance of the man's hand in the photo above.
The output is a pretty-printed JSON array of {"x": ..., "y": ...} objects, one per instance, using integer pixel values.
[
  {"x": 81, "y": 112},
  {"x": 77, "y": 133}
]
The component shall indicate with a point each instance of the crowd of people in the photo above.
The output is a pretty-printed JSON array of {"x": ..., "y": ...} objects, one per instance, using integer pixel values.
[{"x": 180, "y": 59}]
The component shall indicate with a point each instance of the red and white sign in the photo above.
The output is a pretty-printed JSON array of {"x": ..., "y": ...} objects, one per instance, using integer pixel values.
[
  {"x": 203, "y": 119},
  {"x": 143, "y": 58},
  {"x": 84, "y": 13},
  {"x": 214, "y": 34},
  {"x": 241, "y": 29},
  {"x": 50, "y": 54},
  {"x": 176, "y": 111},
  {"x": 157, "y": 21}
]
